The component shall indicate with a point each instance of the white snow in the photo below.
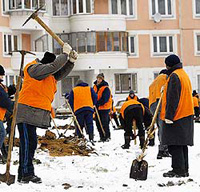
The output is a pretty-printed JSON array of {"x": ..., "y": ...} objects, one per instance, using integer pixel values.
[{"x": 107, "y": 171}]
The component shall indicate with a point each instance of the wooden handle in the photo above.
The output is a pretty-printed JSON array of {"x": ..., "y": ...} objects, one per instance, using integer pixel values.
[
  {"x": 134, "y": 129},
  {"x": 60, "y": 42},
  {"x": 99, "y": 121}
]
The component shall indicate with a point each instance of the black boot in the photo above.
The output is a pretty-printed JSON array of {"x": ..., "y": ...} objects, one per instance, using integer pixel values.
[
  {"x": 127, "y": 142},
  {"x": 4, "y": 151},
  {"x": 31, "y": 178},
  {"x": 142, "y": 140}
]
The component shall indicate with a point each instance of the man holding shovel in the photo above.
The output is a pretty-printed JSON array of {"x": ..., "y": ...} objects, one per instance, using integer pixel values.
[
  {"x": 177, "y": 113},
  {"x": 34, "y": 109}
]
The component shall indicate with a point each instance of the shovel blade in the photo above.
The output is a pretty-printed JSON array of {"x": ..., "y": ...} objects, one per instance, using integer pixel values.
[
  {"x": 139, "y": 170},
  {"x": 8, "y": 179}
]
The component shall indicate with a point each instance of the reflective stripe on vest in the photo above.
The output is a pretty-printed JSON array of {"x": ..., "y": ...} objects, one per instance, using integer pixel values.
[
  {"x": 129, "y": 103},
  {"x": 108, "y": 104},
  {"x": 38, "y": 94},
  {"x": 155, "y": 88},
  {"x": 185, "y": 106},
  {"x": 195, "y": 102},
  {"x": 82, "y": 97}
]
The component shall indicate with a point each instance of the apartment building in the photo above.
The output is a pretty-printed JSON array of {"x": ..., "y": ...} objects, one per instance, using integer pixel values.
[{"x": 120, "y": 38}]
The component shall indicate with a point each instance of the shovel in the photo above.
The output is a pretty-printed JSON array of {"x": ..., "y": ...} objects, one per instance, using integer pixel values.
[
  {"x": 7, "y": 177},
  {"x": 139, "y": 168}
]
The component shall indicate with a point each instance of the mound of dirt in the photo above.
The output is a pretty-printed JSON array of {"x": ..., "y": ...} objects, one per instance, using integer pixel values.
[{"x": 64, "y": 147}]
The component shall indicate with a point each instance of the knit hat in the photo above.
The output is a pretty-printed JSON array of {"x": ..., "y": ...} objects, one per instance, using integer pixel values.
[
  {"x": 100, "y": 75},
  {"x": 131, "y": 92},
  {"x": 2, "y": 71},
  {"x": 194, "y": 93},
  {"x": 79, "y": 82},
  {"x": 48, "y": 58},
  {"x": 172, "y": 60}
]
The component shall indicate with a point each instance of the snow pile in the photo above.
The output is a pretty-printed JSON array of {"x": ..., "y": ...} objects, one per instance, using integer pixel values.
[{"x": 108, "y": 170}]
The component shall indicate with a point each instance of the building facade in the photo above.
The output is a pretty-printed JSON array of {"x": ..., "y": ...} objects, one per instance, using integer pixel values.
[{"x": 120, "y": 38}]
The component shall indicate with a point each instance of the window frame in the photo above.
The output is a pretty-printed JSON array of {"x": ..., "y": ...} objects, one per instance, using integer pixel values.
[
  {"x": 60, "y": 15},
  {"x": 135, "y": 53},
  {"x": 161, "y": 54},
  {"x": 131, "y": 75},
  {"x": 6, "y": 53},
  {"x": 196, "y": 33},
  {"x": 166, "y": 16},
  {"x": 77, "y": 7},
  {"x": 119, "y": 9}
]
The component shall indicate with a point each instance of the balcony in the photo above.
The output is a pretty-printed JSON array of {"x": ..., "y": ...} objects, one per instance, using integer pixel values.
[
  {"x": 97, "y": 23},
  {"x": 102, "y": 60},
  {"x": 16, "y": 59}
]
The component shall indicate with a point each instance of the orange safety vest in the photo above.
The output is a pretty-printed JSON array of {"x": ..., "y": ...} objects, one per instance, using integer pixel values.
[
  {"x": 155, "y": 88},
  {"x": 195, "y": 101},
  {"x": 82, "y": 97},
  {"x": 128, "y": 103},
  {"x": 95, "y": 88},
  {"x": 38, "y": 94},
  {"x": 107, "y": 105},
  {"x": 185, "y": 106},
  {"x": 2, "y": 110},
  {"x": 135, "y": 98}
]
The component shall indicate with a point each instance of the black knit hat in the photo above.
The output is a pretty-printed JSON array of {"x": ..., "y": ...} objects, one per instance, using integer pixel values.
[
  {"x": 2, "y": 71},
  {"x": 48, "y": 58},
  {"x": 100, "y": 75},
  {"x": 131, "y": 92},
  {"x": 172, "y": 60}
]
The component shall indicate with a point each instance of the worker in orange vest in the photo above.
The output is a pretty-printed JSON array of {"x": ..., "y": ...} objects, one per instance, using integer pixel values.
[
  {"x": 177, "y": 112},
  {"x": 196, "y": 105},
  {"x": 5, "y": 104},
  {"x": 134, "y": 110},
  {"x": 154, "y": 96},
  {"x": 82, "y": 99},
  {"x": 132, "y": 96},
  {"x": 104, "y": 104},
  {"x": 34, "y": 109}
]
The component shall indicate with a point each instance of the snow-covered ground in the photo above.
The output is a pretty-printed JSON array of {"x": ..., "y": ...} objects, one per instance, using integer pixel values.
[{"x": 108, "y": 171}]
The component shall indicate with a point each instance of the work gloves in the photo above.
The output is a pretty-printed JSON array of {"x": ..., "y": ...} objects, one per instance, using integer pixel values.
[
  {"x": 73, "y": 56},
  {"x": 167, "y": 121},
  {"x": 67, "y": 48}
]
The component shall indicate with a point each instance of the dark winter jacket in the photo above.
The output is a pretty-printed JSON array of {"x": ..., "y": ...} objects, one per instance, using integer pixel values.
[
  {"x": 182, "y": 130},
  {"x": 106, "y": 94},
  {"x": 71, "y": 99},
  {"x": 5, "y": 102},
  {"x": 60, "y": 68}
]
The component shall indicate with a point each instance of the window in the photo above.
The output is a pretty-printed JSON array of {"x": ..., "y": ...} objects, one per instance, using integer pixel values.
[
  {"x": 81, "y": 42},
  {"x": 197, "y": 7},
  {"x": 124, "y": 39},
  {"x": 4, "y": 5},
  {"x": 26, "y": 4},
  {"x": 60, "y": 7},
  {"x": 163, "y": 45},
  {"x": 101, "y": 41},
  {"x": 41, "y": 44},
  {"x": 10, "y": 43},
  {"x": 68, "y": 83},
  {"x": 125, "y": 82},
  {"x": 81, "y": 6},
  {"x": 122, "y": 7},
  {"x": 164, "y": 7},
  {"x": 91, "y": 41},
  {"x": 116, "y": 41},
  {"x": 132, "y": 45},
  {"x": 56, "y": 47}
]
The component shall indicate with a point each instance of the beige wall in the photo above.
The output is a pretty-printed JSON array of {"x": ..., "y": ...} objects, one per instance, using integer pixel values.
[
  {"x": 101, "y": 7},
  {"x": 4, "y": 20}
]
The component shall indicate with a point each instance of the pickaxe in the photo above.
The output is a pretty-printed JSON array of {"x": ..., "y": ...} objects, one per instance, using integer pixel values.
[
  {"x": 7, "y": 177},
  {"x": 35, "y": 17}
]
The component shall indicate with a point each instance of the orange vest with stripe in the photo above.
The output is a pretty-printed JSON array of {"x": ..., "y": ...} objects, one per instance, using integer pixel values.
[
  {"x": 82, "y": 97},
  {"x": 2, "y": 110},
  {"x": 155, "y": 88},
  {"x": 108, "y": 104},
  {"x": 135, "y": 98},
  {"x": 129, "y": 103},
  {"x": 195, "y": 101},
  {"x": 185, "y": 106},
  {"x": 37, "y": 94}
]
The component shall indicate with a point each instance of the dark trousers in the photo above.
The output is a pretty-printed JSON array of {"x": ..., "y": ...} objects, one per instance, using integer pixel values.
[
  {"x": 85, "y": 119},
  {"x": 130, "y": 115},
  {"x": 104, "y": 117},
  {"x": 28, "y": 145},
  {"x": 179, "y": 158},
  {"x": 114, "y": 116},
  {"x": 196, "y": 111}
]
